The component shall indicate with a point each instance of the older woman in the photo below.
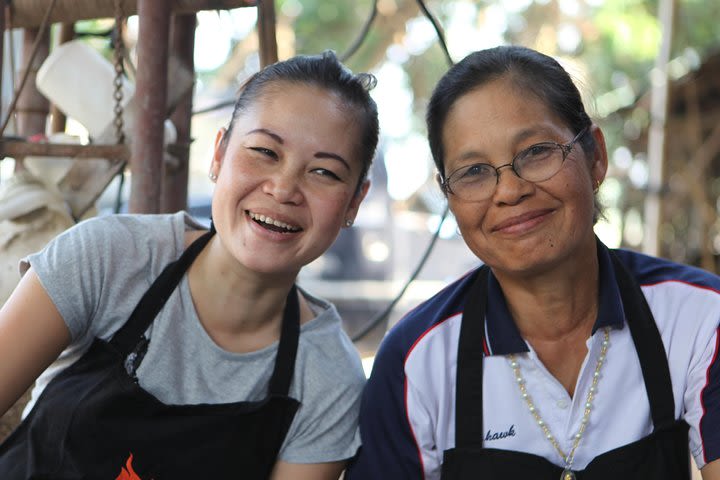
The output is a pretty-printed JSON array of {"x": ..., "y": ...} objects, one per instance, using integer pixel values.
[{"x": 559, "y": 358}]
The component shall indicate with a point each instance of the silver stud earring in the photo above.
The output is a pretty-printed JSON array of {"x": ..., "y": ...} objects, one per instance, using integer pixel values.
[
  {"x": 348, "y": 223},
  {"x": 212, "y": 176}
]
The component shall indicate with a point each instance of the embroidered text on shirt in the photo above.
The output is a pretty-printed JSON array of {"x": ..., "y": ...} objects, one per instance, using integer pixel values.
[{"x": 500, "y": 435}]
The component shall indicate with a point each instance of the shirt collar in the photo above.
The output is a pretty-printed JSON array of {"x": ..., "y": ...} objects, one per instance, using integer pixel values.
[{"x": 502, "y": 335}]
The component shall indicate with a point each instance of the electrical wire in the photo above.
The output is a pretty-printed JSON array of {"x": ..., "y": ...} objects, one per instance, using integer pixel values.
[
  {"x": 380, "y": 317},
  {"x": 42, "y": 31},
  {"x": 384, "y": 314},
  {"x": 438, "y": 31},
  {"x": 363, "y": 34},
  {"x": 212, "y": 108}
]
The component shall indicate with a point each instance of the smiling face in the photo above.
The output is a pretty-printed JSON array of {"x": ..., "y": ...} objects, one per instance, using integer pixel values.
[
  {"x": 523, "y": 227},
  {"x": 286, "y": 178}
]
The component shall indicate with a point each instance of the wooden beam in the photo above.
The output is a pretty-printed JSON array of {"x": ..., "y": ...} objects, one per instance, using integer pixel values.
[
  {"x": 15, "y": 148},
  {"x": 29, "y": 13}
]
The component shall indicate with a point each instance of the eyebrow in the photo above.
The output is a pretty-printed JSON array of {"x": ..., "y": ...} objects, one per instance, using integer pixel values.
[
  {"x": 279, "y": 139},
  {"x": 267, "y": 132}
]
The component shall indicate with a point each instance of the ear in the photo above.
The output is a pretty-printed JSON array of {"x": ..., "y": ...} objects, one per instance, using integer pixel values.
[
  {"x": 219, "y": 152},
  {"x": 599, "y": 165},
  {"x": 357, "y": 199}
]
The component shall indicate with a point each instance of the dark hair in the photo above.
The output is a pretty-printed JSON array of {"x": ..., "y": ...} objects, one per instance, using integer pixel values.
[
  {"x": 324, "y": 71},
  {"x": 531, "y": 71}
]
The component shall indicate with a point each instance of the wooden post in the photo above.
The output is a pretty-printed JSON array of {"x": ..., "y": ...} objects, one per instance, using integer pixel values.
[
  {"x": 150, "y": 99},
  {"x": 266, "y": 32},
  {"x": 175, "y": 181},
  {"x": 656, "y": 134},
  {"x": 32, "y": 107},
  {"x": 57, "y": 117}
]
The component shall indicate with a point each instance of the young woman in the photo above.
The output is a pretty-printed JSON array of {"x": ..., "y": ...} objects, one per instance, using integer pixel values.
[
  {"x": 559, "y": 358},
  {"x": 182, "y": 353}
]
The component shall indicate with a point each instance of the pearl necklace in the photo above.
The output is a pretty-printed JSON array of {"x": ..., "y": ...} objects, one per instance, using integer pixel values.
[{"x": 567, "y": 473}]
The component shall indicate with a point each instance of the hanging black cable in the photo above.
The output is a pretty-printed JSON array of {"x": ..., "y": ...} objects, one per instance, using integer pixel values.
[
  {"x": 212, "y": 108},
  {"x": 380, "y": 317},
  {"x": 363, "y": 34},
  {"x": 343, "y": 58},
  {"x": 438, "y": 31}
]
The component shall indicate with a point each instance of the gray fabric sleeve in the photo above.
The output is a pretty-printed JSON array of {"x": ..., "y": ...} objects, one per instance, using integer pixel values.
[
  {"x": 325, "y": 428},
  {"x": 85, "y": 270}
]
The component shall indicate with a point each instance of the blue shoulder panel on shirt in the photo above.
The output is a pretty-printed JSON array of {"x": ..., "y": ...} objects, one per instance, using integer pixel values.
[
  {"x": 651, "y": 270},
  {"x": 388, "y": 449}
]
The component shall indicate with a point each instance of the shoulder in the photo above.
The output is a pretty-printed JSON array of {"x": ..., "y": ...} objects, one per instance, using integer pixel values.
[
  {"x": 128, "y": 234},
  {"x": 425, "y": 321},
  {"x": 325, "y": 352},
  {"x": 684, "y": 300},
  {"x": 651, "y": 271}
]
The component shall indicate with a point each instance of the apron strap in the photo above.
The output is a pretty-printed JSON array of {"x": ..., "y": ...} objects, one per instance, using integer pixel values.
[
  {"x": 649, "y": 346},
  {"x": 643, "y": 329},
  {"x": 132, "y": 333},
  {"x": 469, "y": 380},
  {"x": 154, "y": 299},
  {"x": 287, "y": 346}
]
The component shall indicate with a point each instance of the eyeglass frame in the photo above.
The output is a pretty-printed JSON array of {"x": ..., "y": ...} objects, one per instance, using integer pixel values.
[{"x": 565, "y": 148}]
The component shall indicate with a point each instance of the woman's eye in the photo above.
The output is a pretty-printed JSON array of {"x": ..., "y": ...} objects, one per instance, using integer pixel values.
[
  {"x": 264, "y": 151},
  {"x": 539, "y": 150},
  {"x": 326, "y": 173},
  {"x": 480, "y": 170}
]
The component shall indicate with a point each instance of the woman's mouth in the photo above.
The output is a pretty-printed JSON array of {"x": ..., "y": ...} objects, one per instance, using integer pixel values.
[
  {"x": 523, "y": 222},
  {"x": 272, "y": 224}
]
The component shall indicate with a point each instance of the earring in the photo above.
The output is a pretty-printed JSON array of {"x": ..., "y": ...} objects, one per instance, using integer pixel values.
[
  {"x": 348, "y": 223},
  {"x": 212, "y": 176},
  {"x": 597, "y": 186}
]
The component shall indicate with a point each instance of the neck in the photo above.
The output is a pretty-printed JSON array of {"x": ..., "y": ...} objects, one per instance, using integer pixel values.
[
  {"x": 555, "y": 313},
  {"x": 554, "y": 304},
  {"x": 233, "y": 301}
]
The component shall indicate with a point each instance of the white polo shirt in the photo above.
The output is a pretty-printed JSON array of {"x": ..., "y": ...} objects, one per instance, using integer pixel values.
[{"x": 408, "y": 412}]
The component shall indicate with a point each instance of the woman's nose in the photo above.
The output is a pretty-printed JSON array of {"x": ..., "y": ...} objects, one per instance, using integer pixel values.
[
  {"x": 284, "y": 186},
  {"x": 510, "y": 188}
]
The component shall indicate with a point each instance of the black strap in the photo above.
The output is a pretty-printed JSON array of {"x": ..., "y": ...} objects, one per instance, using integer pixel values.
[
  {"x": 643, "y": 329},
  {"x": 649, "y": 346},
  {"x": 287, "y": 346},
  {"x": 131, "y": 334},
  {"x": 154, "y": 299},
  {"x": 469, "y": 382}
]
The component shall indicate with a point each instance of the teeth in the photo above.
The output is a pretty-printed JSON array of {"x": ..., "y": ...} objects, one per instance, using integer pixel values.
[{"x": 272, "y": 221}]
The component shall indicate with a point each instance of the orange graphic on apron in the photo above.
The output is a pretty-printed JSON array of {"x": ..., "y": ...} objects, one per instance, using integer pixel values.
[{"x": 127, "y": 472}]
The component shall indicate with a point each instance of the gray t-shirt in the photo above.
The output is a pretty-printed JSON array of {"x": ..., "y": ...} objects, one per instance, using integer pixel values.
[{"x": 96, "y": 273}]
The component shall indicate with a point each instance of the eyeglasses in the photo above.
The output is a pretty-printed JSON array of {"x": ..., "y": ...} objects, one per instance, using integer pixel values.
[{"x": 536, "y": 163}]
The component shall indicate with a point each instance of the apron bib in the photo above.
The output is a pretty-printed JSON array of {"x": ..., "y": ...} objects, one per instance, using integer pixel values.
[
  {"x": 662, "y": 455},
  {"x": 93, "y": 421}
]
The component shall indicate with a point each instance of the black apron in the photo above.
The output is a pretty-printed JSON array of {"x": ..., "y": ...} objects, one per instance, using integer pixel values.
[
  {"x": 93, "y": 421},
  {"x": 662, "y": 455}
]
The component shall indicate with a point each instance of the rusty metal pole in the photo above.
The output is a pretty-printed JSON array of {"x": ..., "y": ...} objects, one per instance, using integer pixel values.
[
  {"x": 2, "y": 51},
  {"x": 57, "y": 117},
  {"x": 146, "y": 164},
  {"x": 266, "y": 32},
  {"x": 32, "y": 107},
  {"x": 175, "y": 181}
]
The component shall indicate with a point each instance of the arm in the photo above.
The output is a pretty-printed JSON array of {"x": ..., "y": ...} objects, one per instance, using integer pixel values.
[
  {"x": 307, "y": 471},
  {"x": 32, "y": 335},
  {"x": 711, "y": 471}
]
